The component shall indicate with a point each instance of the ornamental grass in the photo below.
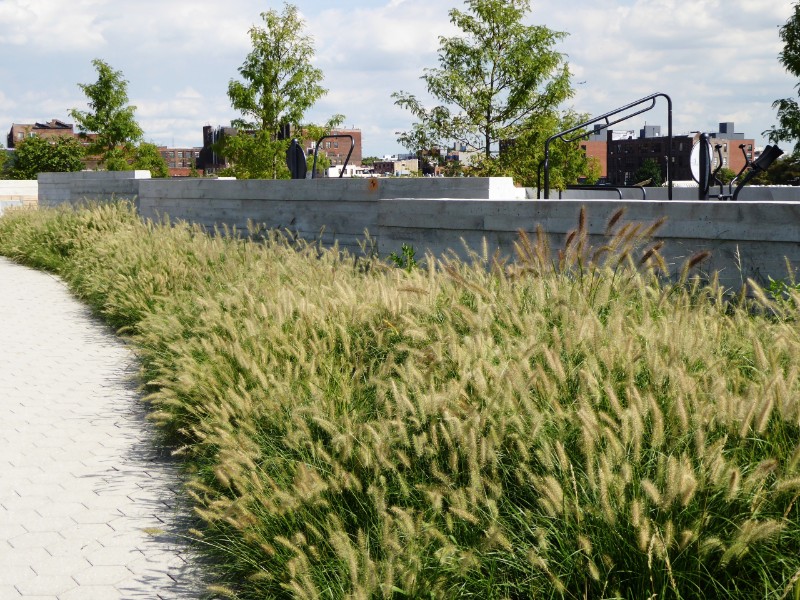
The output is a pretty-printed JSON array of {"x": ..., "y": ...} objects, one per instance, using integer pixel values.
[{"x": 576, "y": 423}]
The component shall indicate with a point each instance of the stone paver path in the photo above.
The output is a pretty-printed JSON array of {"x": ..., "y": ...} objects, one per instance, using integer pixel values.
[{"x": 88, "y": 505}]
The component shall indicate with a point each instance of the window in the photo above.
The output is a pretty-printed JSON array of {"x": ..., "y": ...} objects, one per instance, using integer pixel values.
[
  {"x": 172, "y": 155},
  {"x": 335, "y": 144},
  {"x": 180, "y": 153}
]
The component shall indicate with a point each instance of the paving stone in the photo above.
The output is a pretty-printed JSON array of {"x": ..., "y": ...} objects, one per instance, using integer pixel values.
[
  {"x": 46, "y": 585},
  {"x": 93, "y": 592},
  {"x": 37, "y": 539},
  {"x": 9, "y": 592},
  {"x": 15, "y": 574},
  {"x": 84, "y": 487},
  {"x": 60, "y": 565},
  {"x": 102, "y": 575}
]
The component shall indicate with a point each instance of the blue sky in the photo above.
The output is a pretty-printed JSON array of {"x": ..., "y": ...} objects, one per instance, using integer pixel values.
[{"x": 717, "y": 59}]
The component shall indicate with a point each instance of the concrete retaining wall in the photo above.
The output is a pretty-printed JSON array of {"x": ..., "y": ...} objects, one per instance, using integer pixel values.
[
  {"x": 746, "y": 239},
  {"x": 73, "y": 188},
  {"x": 752, "y": 193},
  {"x": 749, "y": 238},
  {"x": 326, "y": 209}
]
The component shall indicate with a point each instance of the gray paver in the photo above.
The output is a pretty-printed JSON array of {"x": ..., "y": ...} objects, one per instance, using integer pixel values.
[{"x": 84, "y": 486}]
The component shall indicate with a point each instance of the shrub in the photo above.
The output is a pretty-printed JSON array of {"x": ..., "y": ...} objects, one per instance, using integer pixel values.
[{"x": 569, "y": 425}]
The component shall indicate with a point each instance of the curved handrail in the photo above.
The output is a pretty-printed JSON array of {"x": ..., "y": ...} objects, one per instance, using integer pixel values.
[
  {"x": 605, "y": 117},
  {"x": 346, "y": 160},
  {"x": 606, "y": 188}
]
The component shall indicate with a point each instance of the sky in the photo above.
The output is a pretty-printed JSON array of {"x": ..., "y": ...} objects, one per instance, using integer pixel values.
[{"x": 716, "y": 59}]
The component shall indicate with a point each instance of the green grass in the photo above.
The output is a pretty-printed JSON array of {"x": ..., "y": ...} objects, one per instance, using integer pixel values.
[{"x": 572, "y": 425}]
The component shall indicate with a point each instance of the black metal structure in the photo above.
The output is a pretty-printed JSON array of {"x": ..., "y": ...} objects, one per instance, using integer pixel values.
[
  {"x": 346, "y": 160},
  {"x": 704, "y": 176},
  {"x": 761, "y": 164},
  {"x": 608, "y": 188},
  {"x": 296, "y": 160},
  {"x": 605, "y": 117}
]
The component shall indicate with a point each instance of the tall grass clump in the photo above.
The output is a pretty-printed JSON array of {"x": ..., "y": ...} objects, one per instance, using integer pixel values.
[{"x": 574, "y": 424}]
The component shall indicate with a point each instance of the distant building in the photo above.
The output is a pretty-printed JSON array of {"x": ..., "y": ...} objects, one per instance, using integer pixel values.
[
  {"x": 180, "y": 160},
  {"x": 209, "y": 161},
  {"x": 625, "y": 154},
  {"x": 734, "y": 147},
  {"x": 336, "y": 149},
  {"x": 52, "y": 129},
  {"x": 396, "y": 167}
]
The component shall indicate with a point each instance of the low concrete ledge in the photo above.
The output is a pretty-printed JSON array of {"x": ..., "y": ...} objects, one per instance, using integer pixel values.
[
  {"x": 746, "y": 239},
  {"x": 340, "y": 209},
  {"x": 73, "y": 188},
  {"x": 24, "y": 192}
]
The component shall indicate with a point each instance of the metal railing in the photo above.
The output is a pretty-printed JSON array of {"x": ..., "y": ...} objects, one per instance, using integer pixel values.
[
  {"x": 651, "y": 99},
  {"x": 346, "y": 160}
]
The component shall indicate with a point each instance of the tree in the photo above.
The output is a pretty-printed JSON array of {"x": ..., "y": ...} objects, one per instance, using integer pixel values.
[
  {"x": 280, "y": 85},
  {"x": 109, "y": 117},
  {"x": 522, "y": 157},
  {"x": 496, "y": 82},
  {"x": 650, "y": 172},
  {"x": 3, "y": 161},
  {"x": 784, "y": 171},
  {"x": 36, "y": 155},
  {"x": 146, "y": 157},
  {"x": 788, "y": 127},
  {"x": 726, "y": 175}
]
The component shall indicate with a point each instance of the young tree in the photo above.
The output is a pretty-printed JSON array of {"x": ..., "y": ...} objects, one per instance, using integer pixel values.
[
  {"x": 650, "y": 172},
  {"x": 109, "y": 117},
  {"x": 522, "y": 159},
  {"x": 146, "y": 157},
  {"x": 3, "y": 161},
  {"x": 496, "y": 82},
  {"x": 280, "y": 85},
  {"x": 36, "y": 155},
  {"x": 788, "y": 127}
]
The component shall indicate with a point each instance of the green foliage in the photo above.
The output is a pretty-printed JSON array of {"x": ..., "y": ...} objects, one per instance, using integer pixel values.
[
  {"x": 784, "y": 171},
  {"x": 788, "y": 127},
  {"x": 256, "y": 155},
  {"x": 406, "y": 259},
  {"x": 496, "y": 81},
  {"x": 726, "y": 175},
  {"x": 567, "y": 426},
  {"x": 523, "y": 158},
  {"x": 35, "y": 155},
  {"x": 110, "y": 117},
  {"x": 4, "y": 160},
  {"x": 649, "y": 171},
  {"x": 368, "y": 161},
  {"x": 280, "y": 85},
  {"x": 147, "y": 157}
]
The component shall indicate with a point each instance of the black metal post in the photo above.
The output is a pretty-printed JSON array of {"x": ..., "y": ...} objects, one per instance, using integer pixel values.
[{"x": 705, "y": 168}]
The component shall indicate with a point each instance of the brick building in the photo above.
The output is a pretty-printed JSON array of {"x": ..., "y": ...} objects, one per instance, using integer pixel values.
[
  {"x": 336, "y": 149},
  {"x": 53, "y": 129},
  {"x": 596, "y": 149},
  {"x": 626, "y": 155},
  {"x": 180, "y": 161}
]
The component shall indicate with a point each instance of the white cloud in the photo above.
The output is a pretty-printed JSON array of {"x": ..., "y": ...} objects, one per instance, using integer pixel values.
[{"x": 716, "y": 58}]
